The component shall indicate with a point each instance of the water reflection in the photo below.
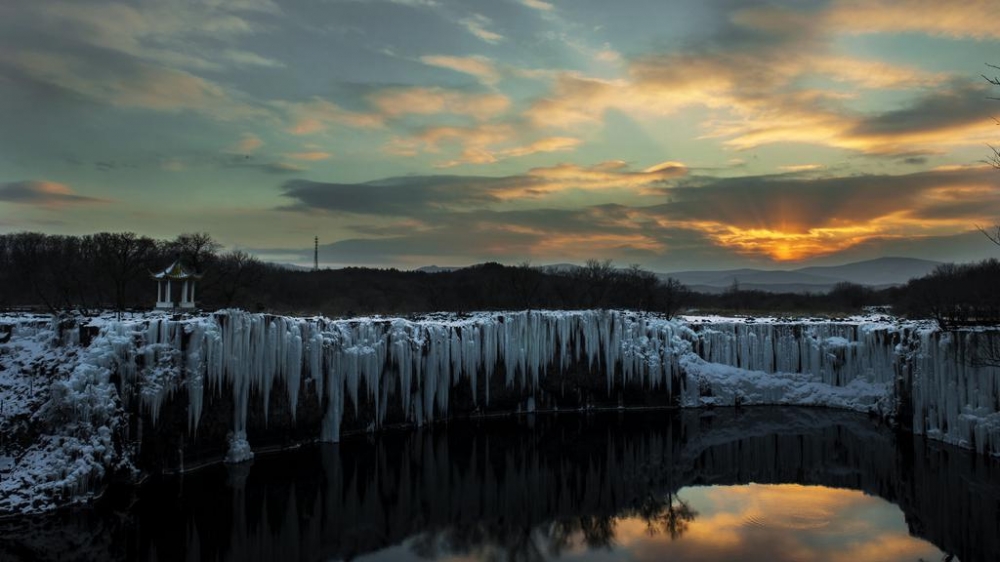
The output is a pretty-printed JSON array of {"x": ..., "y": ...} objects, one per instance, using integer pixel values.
[
  {"x": 640, "y": 485},
  {"x": 780, "y": 522}
]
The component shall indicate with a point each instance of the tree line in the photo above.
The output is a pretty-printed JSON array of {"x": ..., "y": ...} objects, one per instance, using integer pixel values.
[
  {"x": 84, "y": 274},
  {"x": 58, "y": 273},
  {"x": 112, "y": 270}
]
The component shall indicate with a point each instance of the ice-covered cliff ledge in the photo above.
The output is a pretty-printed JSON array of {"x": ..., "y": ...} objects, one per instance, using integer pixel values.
[{"x": 80, "y": 402}]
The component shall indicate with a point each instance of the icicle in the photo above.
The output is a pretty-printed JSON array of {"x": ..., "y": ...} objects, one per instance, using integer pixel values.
[
  {"x": 195, "y": 375},
  {"x": 243, "y": 355}
]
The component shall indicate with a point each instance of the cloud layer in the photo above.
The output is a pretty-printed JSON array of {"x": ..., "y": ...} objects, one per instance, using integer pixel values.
[
  {"x": 405, "y": 131},
  {"x": 44, "y": 194},
  {"x": 779, "y": 217}
]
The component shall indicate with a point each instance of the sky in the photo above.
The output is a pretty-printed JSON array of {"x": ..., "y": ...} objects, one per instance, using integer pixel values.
[{"x": 678, "y": 135}]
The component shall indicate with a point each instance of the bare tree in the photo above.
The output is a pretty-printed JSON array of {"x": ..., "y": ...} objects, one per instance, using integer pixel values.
[
  {"x": 674, "y": 295},
  {"x": 993, "y": 232},
  {"x": 238, "y": 271},
  {"x": 195, "y": 248},
  {"x": 988, "y": 353},
  {"x": 525, "y": 282},
  {"x": 596, "y": 278},
  {"x": 642, "y": 287},
  {"x": 670, "y": 515},
  {"x": 122, "y": 258},
  {"x": 27, "y": 257},
  {"x": 993, "y": 159}
]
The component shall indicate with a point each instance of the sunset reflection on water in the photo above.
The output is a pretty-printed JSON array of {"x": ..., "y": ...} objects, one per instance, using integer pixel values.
[
  {"x": 753, "y": 522},
  {"x": 778, "y": 522}
]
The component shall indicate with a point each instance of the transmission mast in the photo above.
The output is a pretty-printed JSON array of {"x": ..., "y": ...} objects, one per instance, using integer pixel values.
[{"x": 316, "y": 253}]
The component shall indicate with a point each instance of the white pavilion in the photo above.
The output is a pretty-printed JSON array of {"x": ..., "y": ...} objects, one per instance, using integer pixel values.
[{"x": 183, "y": 278}]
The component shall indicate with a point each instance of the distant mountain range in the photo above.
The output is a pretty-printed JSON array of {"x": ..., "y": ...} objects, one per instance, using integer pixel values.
[
  {"x": 436, "y": 269},
  {"x": 877, "y": 273}
]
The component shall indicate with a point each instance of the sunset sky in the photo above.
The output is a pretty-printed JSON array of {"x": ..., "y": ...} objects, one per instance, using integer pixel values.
[{"x": 675, "y": 134}]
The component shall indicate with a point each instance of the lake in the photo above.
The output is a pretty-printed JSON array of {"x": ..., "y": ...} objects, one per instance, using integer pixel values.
[{"x": 765, "y": 483}]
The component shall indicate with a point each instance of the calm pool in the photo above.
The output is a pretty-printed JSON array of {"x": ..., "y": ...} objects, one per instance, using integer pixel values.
[{"x": 757, "y": 484}]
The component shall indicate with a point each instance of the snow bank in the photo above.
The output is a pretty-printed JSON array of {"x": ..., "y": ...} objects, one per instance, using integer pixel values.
[{"x": 366, "y": 368}]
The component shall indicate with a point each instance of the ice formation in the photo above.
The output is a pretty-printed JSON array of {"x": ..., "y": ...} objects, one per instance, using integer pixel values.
[
  {"x": 369, "y": 366},
  {"x": 59, "y": 414}
]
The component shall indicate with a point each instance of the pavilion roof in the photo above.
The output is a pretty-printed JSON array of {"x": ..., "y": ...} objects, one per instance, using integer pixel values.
[{"x": 176, "y": 270}]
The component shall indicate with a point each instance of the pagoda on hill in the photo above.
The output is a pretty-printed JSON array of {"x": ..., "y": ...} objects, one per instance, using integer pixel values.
[{"x": 184, "y": 279}]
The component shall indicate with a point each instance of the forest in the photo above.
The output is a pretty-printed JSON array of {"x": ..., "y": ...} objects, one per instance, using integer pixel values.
[{"x": 86, "y": 274}]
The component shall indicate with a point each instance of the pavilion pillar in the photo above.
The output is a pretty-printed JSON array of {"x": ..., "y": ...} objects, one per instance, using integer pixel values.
[{"x": 170, "y": 294}]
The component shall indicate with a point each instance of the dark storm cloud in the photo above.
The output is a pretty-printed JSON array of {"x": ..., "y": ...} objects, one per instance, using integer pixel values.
[
  {"x": 403, "y": 196},
  {"x": 791, "y": 202},
  {"x": 951, "y": 107},
  {"x": 454, "y": 216},
  {"x": 43, "y": 194},
  {"x": 513, "y": 236},
  {"x": 471, "y": 228},
  {"x": 417, "y": 196}
]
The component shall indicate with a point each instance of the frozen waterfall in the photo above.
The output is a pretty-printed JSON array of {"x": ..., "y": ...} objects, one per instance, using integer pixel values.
[{"x": 237, "y": 371}]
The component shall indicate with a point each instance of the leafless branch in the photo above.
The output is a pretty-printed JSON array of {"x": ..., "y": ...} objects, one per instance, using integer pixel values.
[
  {"x": 993, "y": 159},
  {"x": 995, "y": 80},
  {"x": 993, "y": 233}
]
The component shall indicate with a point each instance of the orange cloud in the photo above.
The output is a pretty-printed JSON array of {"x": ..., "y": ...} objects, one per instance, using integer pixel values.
[
  {"x": 476, "y": 25},
  {"x": 606, "y": 175},
  {"x": 801, "y": 167},
  {"x": 662, "y": 166},
  {"x": 972, "y": 18},
  {"x": 397, "y": 102},
  {"x": 538, "y": 5},
  {"x": 663, "y": 209},
  {"x": 793, "y": 217},
  {"x": 308, "y": 156},
  {"x": 248, "y": 143},
  {"x": 45, "y": 194},
  {"x": 872, "y": 74},
  {"x": 480, "y": 144},
  {"x": 318, "y": 115},
  {"x": 480, "y": 67},
  {"x": 754, "y": 85},
  {"x": 785, "y": 246},
  {"x": 138, "y": 85},
  {"x": 477, "y": 154}
]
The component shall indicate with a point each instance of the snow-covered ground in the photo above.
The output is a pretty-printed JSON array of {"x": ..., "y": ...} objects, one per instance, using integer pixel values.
[
  {"x": 64, "y": 423},
  {"x": 58, "y": 416}
]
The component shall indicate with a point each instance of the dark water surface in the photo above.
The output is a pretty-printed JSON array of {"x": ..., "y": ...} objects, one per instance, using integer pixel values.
[{"x": 758, "y": 484}]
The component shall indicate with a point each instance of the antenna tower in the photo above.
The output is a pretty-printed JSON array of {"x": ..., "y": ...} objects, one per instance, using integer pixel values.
[{"x": 316, "y": 253}]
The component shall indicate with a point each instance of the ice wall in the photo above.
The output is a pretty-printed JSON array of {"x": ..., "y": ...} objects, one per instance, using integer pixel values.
[
  {"x": 366, "y": 369},
  {"x": 953, "y": 400},
  {"x": 412, "y": 365},
  {"x": 836, "y": 353}
]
